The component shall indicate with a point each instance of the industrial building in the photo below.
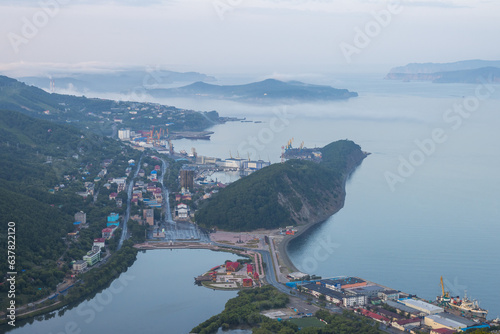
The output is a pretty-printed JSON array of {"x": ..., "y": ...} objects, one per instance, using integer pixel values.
[
  {"x": 332, "y": 295},
  {"x": 344, "y": 283},
  {"x": 422, "y": 306},
  {"x": 388, "y": 295},
  {"x": 436, "y": 321},
  {"x": 403, "y": 309}
]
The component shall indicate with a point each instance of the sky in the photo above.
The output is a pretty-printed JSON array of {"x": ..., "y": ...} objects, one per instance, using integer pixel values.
[{"x": 243, "y": 36}]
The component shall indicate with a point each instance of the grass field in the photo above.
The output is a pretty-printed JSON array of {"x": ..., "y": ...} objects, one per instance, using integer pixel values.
[{"x": 307, "y": 322}]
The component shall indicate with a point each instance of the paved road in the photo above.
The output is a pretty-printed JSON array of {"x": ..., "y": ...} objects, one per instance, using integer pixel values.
[{"x": 127, "y": 212}]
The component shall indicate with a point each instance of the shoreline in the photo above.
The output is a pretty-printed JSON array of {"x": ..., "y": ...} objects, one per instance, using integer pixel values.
[{"x": 282, "y": 246}]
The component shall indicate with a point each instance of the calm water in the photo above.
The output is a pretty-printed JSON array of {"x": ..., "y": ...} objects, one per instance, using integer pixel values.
[
  {"x": 442, "y": 220},
  {"x": 156, "y": 295}
]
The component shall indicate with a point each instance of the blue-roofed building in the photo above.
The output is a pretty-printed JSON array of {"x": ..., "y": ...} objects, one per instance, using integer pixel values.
[{"x": 113, "y": 217}]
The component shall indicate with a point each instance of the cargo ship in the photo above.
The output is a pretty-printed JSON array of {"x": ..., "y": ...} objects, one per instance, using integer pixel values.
[{"x": 467, "y": 307}]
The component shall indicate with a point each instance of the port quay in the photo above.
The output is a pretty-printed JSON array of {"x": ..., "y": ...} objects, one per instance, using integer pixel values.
[{"x": 394, "y": 310}]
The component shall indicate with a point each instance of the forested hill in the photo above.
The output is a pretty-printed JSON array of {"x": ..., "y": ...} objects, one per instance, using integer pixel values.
[
  {"x": 98, "y": 115},
  {"x": 44, "y": 165},
  {"x": 292, "y": 193},
  {"x": 267, "y": 90}
]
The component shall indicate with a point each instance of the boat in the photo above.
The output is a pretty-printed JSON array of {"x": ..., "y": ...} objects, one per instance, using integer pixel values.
[{"x": 466, "y": 306}]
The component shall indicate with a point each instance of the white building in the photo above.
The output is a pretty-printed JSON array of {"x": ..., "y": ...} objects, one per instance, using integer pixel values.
[
  {"x": 182, "y": 211},
  {"x": 79, "y": 266},
  {"x": 124, "y": 134},
  {"x": 422, "y": 306}
]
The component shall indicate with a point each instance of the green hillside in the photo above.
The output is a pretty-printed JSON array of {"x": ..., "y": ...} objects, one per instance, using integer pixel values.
[
  {"x": 38, "y": 157},
  {"x": 294, "y": 192},
  {"x": 98, "y": 115}
]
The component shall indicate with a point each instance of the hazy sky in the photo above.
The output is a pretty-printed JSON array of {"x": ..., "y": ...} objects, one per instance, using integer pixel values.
[{"x": 244, "y": 36}]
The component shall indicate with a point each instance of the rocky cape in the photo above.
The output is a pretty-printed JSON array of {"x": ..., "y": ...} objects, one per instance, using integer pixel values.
[{"x": 296, "y": 192}]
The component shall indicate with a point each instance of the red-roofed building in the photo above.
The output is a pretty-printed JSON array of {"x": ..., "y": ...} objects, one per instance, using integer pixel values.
[
  {"x": 374, "y": 316},
  {"x": 99, "y": 242},
  {"x": 249, "y": 269},
  {"x": 442, "y": 331},
  {"x": 107, "y": 233},
  {"x": 157, "y": 167},
  {"x": 232, "y": 266},
  {"x": 112, "y": 196},
  {"x": 247, "y": 283},
  {"x": 401, "y": 324},
  {"x": 256, "y": 276}
]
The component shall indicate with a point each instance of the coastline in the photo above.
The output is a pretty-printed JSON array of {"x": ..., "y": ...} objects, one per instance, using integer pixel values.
[{"x": 282, "y": 246}]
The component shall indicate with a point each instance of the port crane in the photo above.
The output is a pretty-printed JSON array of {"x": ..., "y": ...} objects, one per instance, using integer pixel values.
[{"x": 444, "y": 299}]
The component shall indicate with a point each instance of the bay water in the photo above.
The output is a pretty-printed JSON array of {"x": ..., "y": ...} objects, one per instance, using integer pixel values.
[{"x": 424, "y": 204}]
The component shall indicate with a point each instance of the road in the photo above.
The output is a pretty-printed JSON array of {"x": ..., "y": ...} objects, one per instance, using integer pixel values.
[{"x": 127, "y": 212}]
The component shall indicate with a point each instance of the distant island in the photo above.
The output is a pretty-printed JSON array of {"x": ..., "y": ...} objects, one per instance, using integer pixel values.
[
  {"x": 267, "y": 90},
  {"x": 468, "y": 71},
  {"x": 296, "y": 192}
]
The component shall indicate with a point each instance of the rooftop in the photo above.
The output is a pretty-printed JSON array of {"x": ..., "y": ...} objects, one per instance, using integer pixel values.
[
  {"x": 446, "y": 322},
  {"x": 343, "y": 281},
  {"x": 402, "y": 307},
  {"x": 419, "y": 304},
  {"x": 324, "y": 291}
]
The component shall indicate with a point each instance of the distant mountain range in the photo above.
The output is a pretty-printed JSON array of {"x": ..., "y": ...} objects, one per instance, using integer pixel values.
[
  {"x": 468, "y": 71},
  {"x": 123, "y": 81},
  {"x": 267, "y": 90}
]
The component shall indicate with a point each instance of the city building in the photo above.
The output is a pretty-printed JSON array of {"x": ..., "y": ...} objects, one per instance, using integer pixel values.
[
  {"x": 100, "y": 242},
  {"x": 107, "y": 232},
  {"x": 247, "y": 282},
  {"x": 81, "y": 217},
  {"x": 369, "y": 290},
  {"x": 149, "y": 216},
  {"x": 232, "y": 266},
  {"x": 124, "y": 134},
  {"x": 92, "y": 258},
  {"x": 182, "y": 211},
  {"x": 389, "y": 295},
  {"x": 79, "y": 266}
]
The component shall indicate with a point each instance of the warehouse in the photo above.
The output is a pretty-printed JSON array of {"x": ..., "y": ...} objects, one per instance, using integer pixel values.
[{"x": 422, "y": 306}]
